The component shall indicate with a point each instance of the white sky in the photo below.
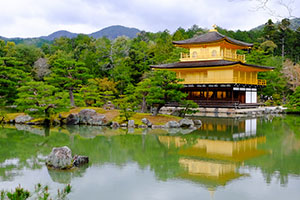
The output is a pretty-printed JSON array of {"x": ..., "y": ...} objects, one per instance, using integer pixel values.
[{"x": 33, "y": 18}]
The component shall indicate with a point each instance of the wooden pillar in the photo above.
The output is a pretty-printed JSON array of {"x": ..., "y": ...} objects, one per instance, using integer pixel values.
[{"x": 206, "y": 94}]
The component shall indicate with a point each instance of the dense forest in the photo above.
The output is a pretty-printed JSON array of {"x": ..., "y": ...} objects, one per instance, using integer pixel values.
[{"x": 84, "y": 71}]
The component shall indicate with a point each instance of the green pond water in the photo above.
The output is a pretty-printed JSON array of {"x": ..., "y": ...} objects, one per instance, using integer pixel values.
[{"x": 257, "y": 158}]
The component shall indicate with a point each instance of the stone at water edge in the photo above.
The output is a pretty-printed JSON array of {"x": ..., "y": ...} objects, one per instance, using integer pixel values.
[
  {"x": 98, "y": 120},
  {"x": 72, "y": 119},
  {"x": 115, "y": 125},
  {"x": 172, "y": 124},
  {"x": 186, "y": 123},
  {"x": 60, "y": 158},
  {"x": 131, "y": 124},
  {"x": 22, "y": 119},
  {"x": 80, "y": 160},
  {"x": 85, "y": 115},
  {"x": 146, "y": 122},
  {"x": 197, "y": 122}
]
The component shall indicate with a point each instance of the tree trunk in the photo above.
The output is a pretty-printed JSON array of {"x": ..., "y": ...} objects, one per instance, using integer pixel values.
[
  {"x": 71, "y": 97},
  {"x": 47, "y": 115},
  {"x": 144, "y": 105},
  {"x": 156, "y": 111}
]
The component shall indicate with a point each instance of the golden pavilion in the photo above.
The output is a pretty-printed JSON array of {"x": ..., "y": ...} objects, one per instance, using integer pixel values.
[{"x": 214, "y": 74}]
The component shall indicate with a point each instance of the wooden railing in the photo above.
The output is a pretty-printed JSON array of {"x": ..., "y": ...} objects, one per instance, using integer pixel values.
[
  {"x": 225, "y": 81},
  {"x": 227, "y": 55}
]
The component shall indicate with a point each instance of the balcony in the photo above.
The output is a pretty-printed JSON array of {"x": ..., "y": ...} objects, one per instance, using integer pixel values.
[
  {"x": 214, "y": 55},
  {"x": 261, "y": 82}
]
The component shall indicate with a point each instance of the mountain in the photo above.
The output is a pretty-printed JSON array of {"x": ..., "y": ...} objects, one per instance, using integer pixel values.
[
  {"x": 295, "y": 24},
  {"x": 59, "y": 34},
  {"x": 110, "y": 32},
  {"x": 113, "y": 32}
]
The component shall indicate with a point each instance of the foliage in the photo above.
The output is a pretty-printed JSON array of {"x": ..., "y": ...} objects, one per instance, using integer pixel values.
[
  {"x": 12, "y": 76},
  {"x": 164, "y": 88},
  {"x": 294, "y": 101},
  {"x": 18, "y": 194},
  {"x": 68, "y": 75},
  {"x": 188, "y": 107},
  {"x": 41, "y": 193},
  {"x": 76, "y": 65},
  {"x": 98, "y": 91},
  {"x": 126, "y": 106},
  {"x": 40, "y": 99}
]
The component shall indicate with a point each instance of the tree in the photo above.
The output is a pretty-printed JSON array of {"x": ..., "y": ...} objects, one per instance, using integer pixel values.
[
  {"x": 294, "y": 103},
  {"x": 291, "y": 71},
  {"x": 126, "y": 106},
  {"x": 68, "y": 75},
  {"x": 40, "y": 99},
  {"x": 141, "y": 92},
  {"x": 98, "y": 91},
  {"x": 12, "y": 76},
  {"x": 164, "y": 88}
]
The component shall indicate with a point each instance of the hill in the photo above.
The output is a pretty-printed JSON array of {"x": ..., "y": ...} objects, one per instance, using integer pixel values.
[
  {"x": 59, "y": 34},
  {"x": 295, "y": 24},
  {"x": 110, "y": 32},
  {"x": 113, "y": 32}
]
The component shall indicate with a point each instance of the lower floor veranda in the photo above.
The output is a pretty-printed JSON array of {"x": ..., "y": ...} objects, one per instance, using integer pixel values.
[{"x": 238, "y": 96}]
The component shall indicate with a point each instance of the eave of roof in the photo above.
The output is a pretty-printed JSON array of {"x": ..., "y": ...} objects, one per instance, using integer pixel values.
[
  {"x": 210, "y": 37},
  {"x": 212, "y": 63}
]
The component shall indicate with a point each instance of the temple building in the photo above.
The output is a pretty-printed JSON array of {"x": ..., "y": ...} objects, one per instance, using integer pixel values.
[{"x": 214, "y": 74}]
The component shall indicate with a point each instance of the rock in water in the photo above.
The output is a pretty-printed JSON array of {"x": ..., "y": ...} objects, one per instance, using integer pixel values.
[
  {"x": 98, "y": 120},
  {"x": 146, "y": 122},
  {"x": 197, "y": 122},
  {"x": 131, "y": 124},
  {"x": 21, "y": 119},
  {"x": 172, "y": 124},
  {"x": 72, "y": 119},
  {"x": 60, "y": 158},
  {"x": 91, "y": 117},
  {"x": 186, "y": 123},
  {"x": 85, "y": 115},
  {"x": 115, "y": 125},
  {"x": 80, "y": 160}
]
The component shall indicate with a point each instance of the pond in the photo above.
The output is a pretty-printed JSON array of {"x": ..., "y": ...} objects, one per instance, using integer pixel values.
[{"x": 226, "y": 158}]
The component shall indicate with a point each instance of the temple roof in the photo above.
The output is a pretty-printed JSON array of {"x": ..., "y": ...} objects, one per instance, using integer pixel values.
[
  {"x": 211, "y": 63},
  {"x": 212, "y": 36}
]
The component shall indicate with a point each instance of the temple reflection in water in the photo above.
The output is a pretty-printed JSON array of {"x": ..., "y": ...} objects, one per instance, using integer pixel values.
[{"x": 211, "y": 155}]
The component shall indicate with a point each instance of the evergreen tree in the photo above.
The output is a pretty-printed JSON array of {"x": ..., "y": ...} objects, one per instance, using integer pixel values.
[
  {"x": 164, "y": 88},
  {"x": 40, "y": 99},
  {"x": 12, "y": 76},
  {"x": 68, "y": 75}
]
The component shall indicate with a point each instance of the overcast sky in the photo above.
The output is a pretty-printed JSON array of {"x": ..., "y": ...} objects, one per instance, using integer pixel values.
[{"x": 33, "y": 18}]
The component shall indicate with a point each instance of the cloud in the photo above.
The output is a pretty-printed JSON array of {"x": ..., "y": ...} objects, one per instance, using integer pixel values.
[{"x": 29, "y": 18}]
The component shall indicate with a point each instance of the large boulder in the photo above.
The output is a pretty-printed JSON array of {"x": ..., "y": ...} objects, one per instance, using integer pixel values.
[
  {"x": 186, "y": 123},
  {"x": 72, "y": 119},
  {"x": 86, "y": 115},
  {"x": 22, "y": 119},
  {"x": 98, "y": 120},
  {"x": 60, "y": 158},
  {"x": 146, "y": 122},
  {"x": 91, "y": 117},
  {"x": 172, "y": 124}
]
